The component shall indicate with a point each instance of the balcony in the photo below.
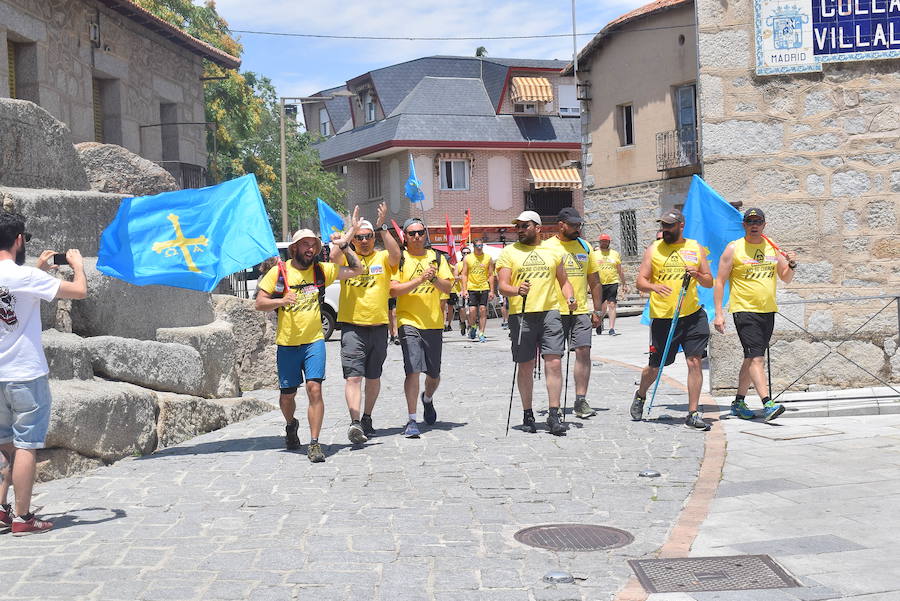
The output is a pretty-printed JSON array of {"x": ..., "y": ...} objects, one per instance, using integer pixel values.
[
  {"x": 186, "y": 174},
  {"x": 676, "y": 149}
]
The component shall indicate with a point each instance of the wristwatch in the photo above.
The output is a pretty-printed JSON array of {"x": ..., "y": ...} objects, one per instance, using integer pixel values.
[
  {"x": 571, "y": 299},
  {"x": 792, "y": 264},
  {"x": 384, "y": 227},
  {"x": 344, "y": 245}
]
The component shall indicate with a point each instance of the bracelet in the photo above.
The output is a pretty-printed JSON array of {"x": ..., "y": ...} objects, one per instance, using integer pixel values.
[{"x": 343, "y": 246}]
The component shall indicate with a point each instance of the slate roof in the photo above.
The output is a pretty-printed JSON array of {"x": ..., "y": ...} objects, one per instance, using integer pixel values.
[{"x": 445, "y": 99}]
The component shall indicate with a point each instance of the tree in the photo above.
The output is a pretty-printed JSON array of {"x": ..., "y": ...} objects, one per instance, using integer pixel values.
[{"x": 246, "y": 110}]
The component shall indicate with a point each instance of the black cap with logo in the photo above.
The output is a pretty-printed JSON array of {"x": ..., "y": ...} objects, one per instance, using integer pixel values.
[{"x": 754, "y": 213}]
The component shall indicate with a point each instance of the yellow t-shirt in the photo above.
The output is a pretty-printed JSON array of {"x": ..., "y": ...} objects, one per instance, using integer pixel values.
[
  {"x": 753, "y": 277},
  {"x": 301, "y": 323},
  {"x": 668, "y": 262},
  {"x": 578, "y": 263},
  {"x": 537, "y": 265},
  {"x": 457, "y": 283},
  {"x": 421, "y": 307},
  {"x": 364, "y": 298},
  {"x": 608, "y": 262},
  {"x": 478, "y": 271}
]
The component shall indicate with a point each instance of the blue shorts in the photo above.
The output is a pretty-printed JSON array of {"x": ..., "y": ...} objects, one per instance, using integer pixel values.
[
  {"x": 297, "y": 362},
  {"x": 25, "y": 413}
]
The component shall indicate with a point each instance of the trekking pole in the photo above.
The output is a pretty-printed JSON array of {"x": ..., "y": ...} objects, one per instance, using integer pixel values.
[
  {"x": 686, "y": 281},
  {"x": 769, "y": 368},
  {"x": 537, "y": 360},
  {"x": 512, "y": 389},
  {"x": 568, "y": 344}
]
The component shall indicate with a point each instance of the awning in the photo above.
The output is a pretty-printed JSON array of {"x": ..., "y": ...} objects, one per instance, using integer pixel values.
[
  {"x": 531, "y": 89},
  {"x": 547, "y": 171}
]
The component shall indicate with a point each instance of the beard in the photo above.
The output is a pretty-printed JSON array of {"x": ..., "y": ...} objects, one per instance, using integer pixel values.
[
  {"x": 304, "y": 262},
  {"x": 669, "y": 236},
  {"x": 573, "y": 235},
  {"x": 20, "y": 256}
]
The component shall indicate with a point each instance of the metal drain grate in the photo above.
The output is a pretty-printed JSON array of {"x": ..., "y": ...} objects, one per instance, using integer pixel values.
[
  {"x": 573, "y": 537},
  {"x": 697, "y": 574}
]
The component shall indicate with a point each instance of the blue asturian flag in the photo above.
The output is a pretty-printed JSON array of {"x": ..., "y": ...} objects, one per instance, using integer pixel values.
[
  {"x": 712, "y": 222},
  {"x": 188, "y": 238},
  {"x": 330, "y": 221},
  {"x": 413, "y": 185}
]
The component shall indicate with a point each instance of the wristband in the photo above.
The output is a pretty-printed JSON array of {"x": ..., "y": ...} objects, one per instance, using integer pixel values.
[{"x": 343, "y": 246}]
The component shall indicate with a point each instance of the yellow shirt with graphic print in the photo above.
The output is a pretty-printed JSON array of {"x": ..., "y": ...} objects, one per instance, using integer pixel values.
[
  {"x": 364, "y": 298},
  {"x": 608, "y": 262},
  {"x": 753, "y": 279},
  {"x": 578, "y": 263},
  {"x": 478, "y": 271},
  {"x": 300, "y": 323},
  {"x": 668, "y": 262},
  {"x": 421, "y": 307},
  {"x": 537, "y": 265}
]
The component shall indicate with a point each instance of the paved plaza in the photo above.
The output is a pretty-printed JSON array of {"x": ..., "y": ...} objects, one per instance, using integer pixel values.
[{"x": 232, "y": 515}]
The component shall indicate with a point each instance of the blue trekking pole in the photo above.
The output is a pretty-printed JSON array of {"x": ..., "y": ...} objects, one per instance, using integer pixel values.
[{"x": 686, "y": 281}]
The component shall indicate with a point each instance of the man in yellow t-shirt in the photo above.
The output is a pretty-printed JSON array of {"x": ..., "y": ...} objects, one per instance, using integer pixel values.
[
  {"x": 581, "y": 269},
  {"x": 478, "y": 288},
  {"x": 294, "y": 294},
  {"x": 417, "y": 285},
  {"x": 662, "y": 271},
  {"x": 363, "y": 315},
  {"x": 456, "y": 299},
  {"x": 609, "y": 262},
  {"x": 751, "y": 265},
  {"x": 531, "y": 276}
]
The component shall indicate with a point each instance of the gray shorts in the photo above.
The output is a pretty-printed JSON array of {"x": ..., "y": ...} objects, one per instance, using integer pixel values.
[
  {"x": 577, "y": 330},
  {"x": 542, "y": 329},
  {"x": 363, "y": 350},
  {"x": 25, "y": 413},
  {"x": 421, "y": 350}
]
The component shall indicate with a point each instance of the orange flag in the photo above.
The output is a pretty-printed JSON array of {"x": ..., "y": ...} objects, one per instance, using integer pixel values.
[{"x": 466, "y": 236}]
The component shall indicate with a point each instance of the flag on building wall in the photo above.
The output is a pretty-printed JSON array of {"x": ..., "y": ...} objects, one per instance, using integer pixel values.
[
  {"x": 465, "y": 237},
  {"x": 413, "y": 185},
  {"x": 451, "y": 241},
  {"x": 329, "y": 220},
  {"x": 188, "y": 238}
]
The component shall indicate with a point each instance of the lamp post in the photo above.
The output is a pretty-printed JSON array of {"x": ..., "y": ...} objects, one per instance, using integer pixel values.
[{"x": 284, "y": 101}]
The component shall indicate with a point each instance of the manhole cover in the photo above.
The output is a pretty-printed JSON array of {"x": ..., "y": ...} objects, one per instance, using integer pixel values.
[
  {"x": 573, "y": 537},
  {"x": 696, "y": 574}
]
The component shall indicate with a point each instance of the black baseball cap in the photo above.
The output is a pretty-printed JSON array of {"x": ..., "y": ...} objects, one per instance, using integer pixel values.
[
  {"x": 672, "y": 216},
  {"x": 570, "y": 215},
  {"x": 758, "y": 213}
]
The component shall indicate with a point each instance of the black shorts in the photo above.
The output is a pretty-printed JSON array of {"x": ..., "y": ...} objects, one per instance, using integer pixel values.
[
  {"x": 454, "y": 298},
  {"x": 478, "y": 298},
  {"x": 691, "y": 334},
  {"x": 610, "y": 292},
  {"x": 755, "y": 331}
]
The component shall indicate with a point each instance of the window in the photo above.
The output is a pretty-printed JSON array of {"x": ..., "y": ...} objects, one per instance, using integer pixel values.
[
  {"x": 22, "y": 69},
  {"x": 168, "y": 116},
  {"x": 454, "y": 175},
  {"x": 369, "y": 107},
  {"x": 625, "y": 125},
  {"x": 628, "y": 229},
  {"x": 98, "y": 110},
  {"x": 324, "y": 124},
  {"x": 527, "y": 108},
  {"x": 568, "y": 101},
  {"x": 11, "y": 65},
  {"x": 373, "y": 179}
]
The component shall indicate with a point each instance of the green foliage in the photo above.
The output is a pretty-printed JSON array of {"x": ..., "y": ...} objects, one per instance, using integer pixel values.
[{"x": 245, "y": 108}]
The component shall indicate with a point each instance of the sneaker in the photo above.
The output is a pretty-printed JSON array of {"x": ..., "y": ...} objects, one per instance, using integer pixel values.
[
  {"x": 741, "y": 410},
  {"x": 528, "y": 424},
  {"x": 411, "y": 430},
  {"x": 583, "y": 410},
  {"x": 504, "y": 325},
  {"x": 554, "y": 423},
  {"x": 429, "y": 411},
  {"x": 637, "y": 407},
  {"x": 771, "y": 410},
  {"x": 356, "y": 434},
  {"x": 291, "y": 440},
  {"x": 612, "y": 332},
  {"x": 694, "y": 422},
  {"x": 366, "y": 423},
  {"x": 482, "y": 338},
  {"x": 314, "y": 452},
  {"x": 28, "y": 524},
  {"x": 462, "y": 328},
  {"x": 600, "y": 328},
  {"x": 472, "y": 333},
  {"x": 6, "y": 518}
]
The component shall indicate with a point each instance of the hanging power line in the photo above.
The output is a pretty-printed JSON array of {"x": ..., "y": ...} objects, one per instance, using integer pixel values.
[{"x": 439, "y": 38}]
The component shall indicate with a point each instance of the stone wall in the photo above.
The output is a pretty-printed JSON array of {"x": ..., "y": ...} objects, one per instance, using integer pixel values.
[{"x": 820, "y": 154}]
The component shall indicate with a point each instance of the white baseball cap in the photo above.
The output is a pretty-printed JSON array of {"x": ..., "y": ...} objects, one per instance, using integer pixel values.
[
  {"x": 365, "y": 225},
  {"x": 528, "y": 216}
]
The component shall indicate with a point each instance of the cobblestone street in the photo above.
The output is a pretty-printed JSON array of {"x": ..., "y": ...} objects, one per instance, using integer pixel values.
[{"x": 232, "y": 515}]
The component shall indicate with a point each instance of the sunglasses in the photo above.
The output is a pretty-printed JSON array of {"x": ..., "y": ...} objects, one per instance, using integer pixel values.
[
  {"x": 479, "y": 245},
  {"x": 415, "y": 233},
  {"x": 362, "y": 237},
  {"x": 522, "y": 225},
  {"x": 667, "y": 226},
  {"x": 754, "y": 221}
]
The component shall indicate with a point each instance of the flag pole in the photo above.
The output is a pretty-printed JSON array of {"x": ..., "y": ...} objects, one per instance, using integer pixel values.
[{"x": 422, "y": 204}]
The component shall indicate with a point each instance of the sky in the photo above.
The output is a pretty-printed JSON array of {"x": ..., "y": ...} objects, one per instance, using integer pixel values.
[{"x": 303, "y": 66}]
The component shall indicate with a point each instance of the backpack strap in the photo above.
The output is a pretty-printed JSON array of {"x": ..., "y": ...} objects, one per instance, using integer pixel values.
[
  {"x": 584, "y": 245},
  {"x": 319, "y": 281},
  {"x": 283, "y": 276}
]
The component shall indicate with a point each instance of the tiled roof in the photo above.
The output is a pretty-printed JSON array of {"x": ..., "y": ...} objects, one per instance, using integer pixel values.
[
  {"x": 147, "y": 19},
  {"x": 644, "y": 11},
  {"x": 446, "y": 96}
]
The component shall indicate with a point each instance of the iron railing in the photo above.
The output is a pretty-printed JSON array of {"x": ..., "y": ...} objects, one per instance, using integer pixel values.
[
  {"x": 186, "y": 174},
  {"x": 676, "y": 148}
]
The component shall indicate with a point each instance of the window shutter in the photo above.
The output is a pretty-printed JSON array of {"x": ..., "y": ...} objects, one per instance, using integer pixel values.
[
  {"x": 98, "y": 112},
  {"x": 11, "y": 64}
]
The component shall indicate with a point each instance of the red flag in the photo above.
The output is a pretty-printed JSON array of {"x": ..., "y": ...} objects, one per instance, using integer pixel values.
[
  {"x": 451, "y": 241},
  {"x": 398, "y": 230},
  {"x": 466, "y": 236}
]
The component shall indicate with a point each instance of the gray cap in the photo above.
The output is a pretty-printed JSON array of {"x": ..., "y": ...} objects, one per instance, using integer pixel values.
[
  {"x": 411, "y": 221},
  {"x": 672, "y": 216}
]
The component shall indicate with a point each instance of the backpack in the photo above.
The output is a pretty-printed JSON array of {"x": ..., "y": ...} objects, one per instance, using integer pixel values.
[
  {"x": 438, "y": 257},
  {"x": 318, "y": 280}
]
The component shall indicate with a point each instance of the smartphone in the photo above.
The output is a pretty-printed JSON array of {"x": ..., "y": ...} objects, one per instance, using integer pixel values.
[{"x": 60, "y": 259}]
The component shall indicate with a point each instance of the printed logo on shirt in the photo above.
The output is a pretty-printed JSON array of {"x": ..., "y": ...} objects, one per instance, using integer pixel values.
[
  {"x": 581, "y": 258},
  {"x": 376, "y": 269},
  {"x": 8, "y": 316}
]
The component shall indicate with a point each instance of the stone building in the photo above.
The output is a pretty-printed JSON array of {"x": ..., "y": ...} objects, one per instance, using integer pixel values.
[
  {"x": 113, "y": 73},
  {"x": 637, "y": 82},
  {"x": 491, "y": 135}
]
